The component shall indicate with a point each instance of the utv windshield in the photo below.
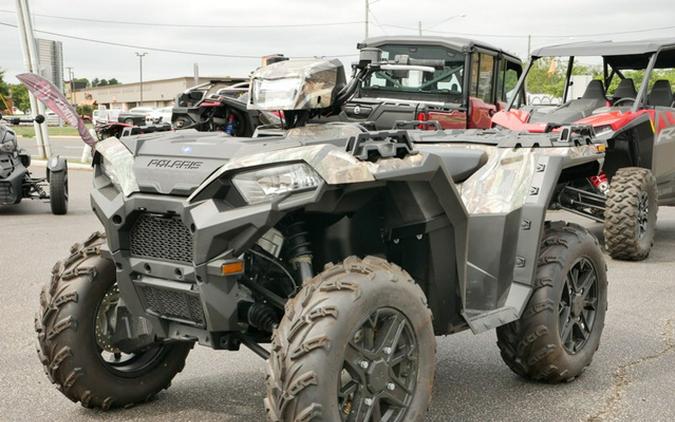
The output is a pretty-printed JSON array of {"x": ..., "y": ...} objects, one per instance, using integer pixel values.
[{"x": 444, "y": 85}]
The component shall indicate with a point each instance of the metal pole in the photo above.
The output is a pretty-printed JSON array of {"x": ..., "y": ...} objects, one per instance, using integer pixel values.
[
  {"x": 419, "y": 27},
  {"x": 30, "y": 58},
  {"x": 140, "y": 57},
  {"x": 367, "y": 15},
  {"x": 529, "y": 46}
]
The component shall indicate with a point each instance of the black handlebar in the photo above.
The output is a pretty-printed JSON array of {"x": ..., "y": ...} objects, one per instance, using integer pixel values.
[{"x": 17, "y": 120}]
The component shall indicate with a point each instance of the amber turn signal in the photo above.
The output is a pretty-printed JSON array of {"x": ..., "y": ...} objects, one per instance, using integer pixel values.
[{"x": 229, "y": 268}]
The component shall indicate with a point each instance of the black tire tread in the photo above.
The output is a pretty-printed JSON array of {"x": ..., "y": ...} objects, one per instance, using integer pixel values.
[
  {"x": 52, "y": 321},
  {"x": 285, "y": 377},
  {"x": 57, "y": 192},
  {"x": 620, "y": 214},
  {"x": 522, "y": 343}
]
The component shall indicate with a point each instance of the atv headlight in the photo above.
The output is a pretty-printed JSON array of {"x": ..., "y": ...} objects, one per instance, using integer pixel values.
[
  {"x": 602, "y": 130},
  {"x": 267, "y": 184},
  {"x": 275, "y": 94},
  {"x": 117, "y": 165}
]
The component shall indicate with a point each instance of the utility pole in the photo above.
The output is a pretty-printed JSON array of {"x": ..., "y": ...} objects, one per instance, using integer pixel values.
[
  {"x": 72, "y": 85},
  {"x": 30, "y": 58},
  {"x": 529, "y": 45},
  {"x": 140, "y": 57},
  {"x": 367, "y": 15},
  {"x": 419, "y": 27}
]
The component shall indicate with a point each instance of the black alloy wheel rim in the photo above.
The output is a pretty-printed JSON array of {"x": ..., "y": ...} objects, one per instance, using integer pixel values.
[
  {"x": 118, "y": 362},
  {"x": 379, "y": 372},
  {"x": 578, "y": 305}
]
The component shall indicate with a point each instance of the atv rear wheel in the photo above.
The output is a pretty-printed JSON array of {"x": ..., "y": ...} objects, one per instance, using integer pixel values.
[
  {"x": 630, "y": 214},
  {"x": 557, "y": 335},
  {"x": 73, "y": 344},
  {"x": 58, "y": 192},
  {"x": 355, "y": 344}
]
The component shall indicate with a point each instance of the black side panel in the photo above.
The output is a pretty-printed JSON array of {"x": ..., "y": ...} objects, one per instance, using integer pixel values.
[{"x": 631, "y": 147}]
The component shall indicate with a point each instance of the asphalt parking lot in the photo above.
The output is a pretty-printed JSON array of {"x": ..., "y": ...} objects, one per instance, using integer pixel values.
[
  {"x": 631, "y": 378},
  {"x": 65, "y": 146}
]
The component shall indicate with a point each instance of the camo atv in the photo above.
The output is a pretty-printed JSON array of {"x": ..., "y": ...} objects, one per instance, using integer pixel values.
[{"x": 347, "y": 251}]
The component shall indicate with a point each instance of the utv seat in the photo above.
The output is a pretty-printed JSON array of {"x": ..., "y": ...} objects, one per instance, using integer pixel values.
[
  {"x": 461, "y": 163},
  {"x": 571, "y": 111},
  {"x": 661, "y": 94},
  {"x": 626, "y": 89}
]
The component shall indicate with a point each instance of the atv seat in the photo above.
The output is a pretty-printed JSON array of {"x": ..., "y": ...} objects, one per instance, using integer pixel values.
[
  {"x": 571, "y": 111},
  {"x": 461, "y": 163},
  {"x": 661, "y": 94},
  {"x": 626, "y": 89}
]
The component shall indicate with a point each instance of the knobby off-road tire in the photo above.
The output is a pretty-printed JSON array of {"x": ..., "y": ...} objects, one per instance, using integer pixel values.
[
  {"x": 67, "y": 338},
  {"x": 630, "y": 214},
  {"x": 555, "y": 338},
  {"x": 356, "y": 319},
  {"x": 58, "y": 192}
]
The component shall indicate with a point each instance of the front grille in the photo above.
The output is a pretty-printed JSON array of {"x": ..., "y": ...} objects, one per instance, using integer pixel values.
[
  {"x": 5, "y": 192},
  {"x": 173, "y": 305},
  {"x": 156, "y": 236}
]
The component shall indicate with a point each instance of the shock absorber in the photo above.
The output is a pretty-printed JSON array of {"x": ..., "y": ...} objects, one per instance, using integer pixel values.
[{"x": 299, "y": 251}]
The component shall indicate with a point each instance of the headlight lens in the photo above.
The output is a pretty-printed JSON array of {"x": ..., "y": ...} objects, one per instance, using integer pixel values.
[
  {"x": 117, "y": 165},
  {"x": 602, "y": 130},
  {"x": 267, "y": 184},
  {"x": 274, "y": 94}
]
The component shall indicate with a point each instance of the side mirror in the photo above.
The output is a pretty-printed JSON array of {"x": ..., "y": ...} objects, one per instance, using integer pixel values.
[{"x": 39, "y": 119}]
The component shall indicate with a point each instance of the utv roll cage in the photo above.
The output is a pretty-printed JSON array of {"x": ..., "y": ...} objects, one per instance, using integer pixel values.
[
  {"x": 617, "y": 56},
  {"x": 466, "y": 46}
]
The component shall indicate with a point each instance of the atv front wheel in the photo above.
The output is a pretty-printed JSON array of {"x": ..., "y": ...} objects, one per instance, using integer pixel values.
[
  {"x": 557, "y": 335},
  {"x": 355, "y": 344},
  {"x": 630, "y": 214},
  {"x": 73, "y": 341},
  {"x": 58, "y": 192}
]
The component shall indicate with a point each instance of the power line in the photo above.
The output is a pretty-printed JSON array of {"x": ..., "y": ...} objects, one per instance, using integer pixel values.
[
  {"x": 534, "y": 35},
  {"x": 163, "y": 50},
  {"x": 181, "y": 25}
]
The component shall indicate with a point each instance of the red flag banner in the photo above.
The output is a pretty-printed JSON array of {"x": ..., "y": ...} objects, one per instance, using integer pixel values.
[{"x": 46, "y": 92}]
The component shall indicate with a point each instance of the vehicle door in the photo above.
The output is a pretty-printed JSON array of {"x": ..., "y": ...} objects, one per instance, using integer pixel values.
[{"x": 482, "y": 90}]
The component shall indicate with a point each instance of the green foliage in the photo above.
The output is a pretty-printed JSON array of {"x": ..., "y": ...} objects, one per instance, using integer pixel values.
[
  {"x": 4, "y": 87},
  {"x": 104, "y": 82},
  {"x": 85, "y": 110},
  {"x": 81, "y": 83},
  {"x": 20, "y": 97},
  {"x": 546, "y": 77}
]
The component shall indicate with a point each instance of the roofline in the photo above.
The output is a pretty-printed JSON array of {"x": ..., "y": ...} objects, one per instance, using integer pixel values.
[
  {"x": 658, "y": 45},
  {"x": 465, "y": 44},
  {"x": 178, "y": 78}
]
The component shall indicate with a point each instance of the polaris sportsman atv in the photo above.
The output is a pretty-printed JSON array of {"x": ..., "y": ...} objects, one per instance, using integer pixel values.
[
  {"x": 347, "y": 250},
  {"x": 638, "y": 126},
  {"x": 17, "y": 182}
]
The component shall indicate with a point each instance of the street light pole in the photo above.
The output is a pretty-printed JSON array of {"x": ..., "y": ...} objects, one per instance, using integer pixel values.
[
  {"x": 30, "y": 58},
  {"x": 140, "y": 57},
  {"x": 367, "y": 15},
  {"x": 72, "y": 85}
]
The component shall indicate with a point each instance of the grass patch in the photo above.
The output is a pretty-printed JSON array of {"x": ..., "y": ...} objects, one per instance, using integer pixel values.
[{"x": 29, "y": 131}]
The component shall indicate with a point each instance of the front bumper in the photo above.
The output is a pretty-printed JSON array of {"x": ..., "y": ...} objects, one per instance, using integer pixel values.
[
  {"x": 182, "y": 293},
  {"x": 11, "y": 187}
]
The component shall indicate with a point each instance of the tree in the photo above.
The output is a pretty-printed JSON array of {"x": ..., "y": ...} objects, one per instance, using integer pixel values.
[
  {"x": 81, "y": 83},
  {"x": 4, "y": 90},
  {"x": 113, "y": 81},
  {"x": 20, "y": 96},
  {"x": 103, "y": 82},
  {"x": 95, "y": 82}
]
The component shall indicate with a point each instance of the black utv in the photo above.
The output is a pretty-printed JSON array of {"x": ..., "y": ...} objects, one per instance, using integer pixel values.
[
  {"x": 346, "y": 250},
  {"x": 17, "y": 182},
  {"x": 475, "y": 81}
]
